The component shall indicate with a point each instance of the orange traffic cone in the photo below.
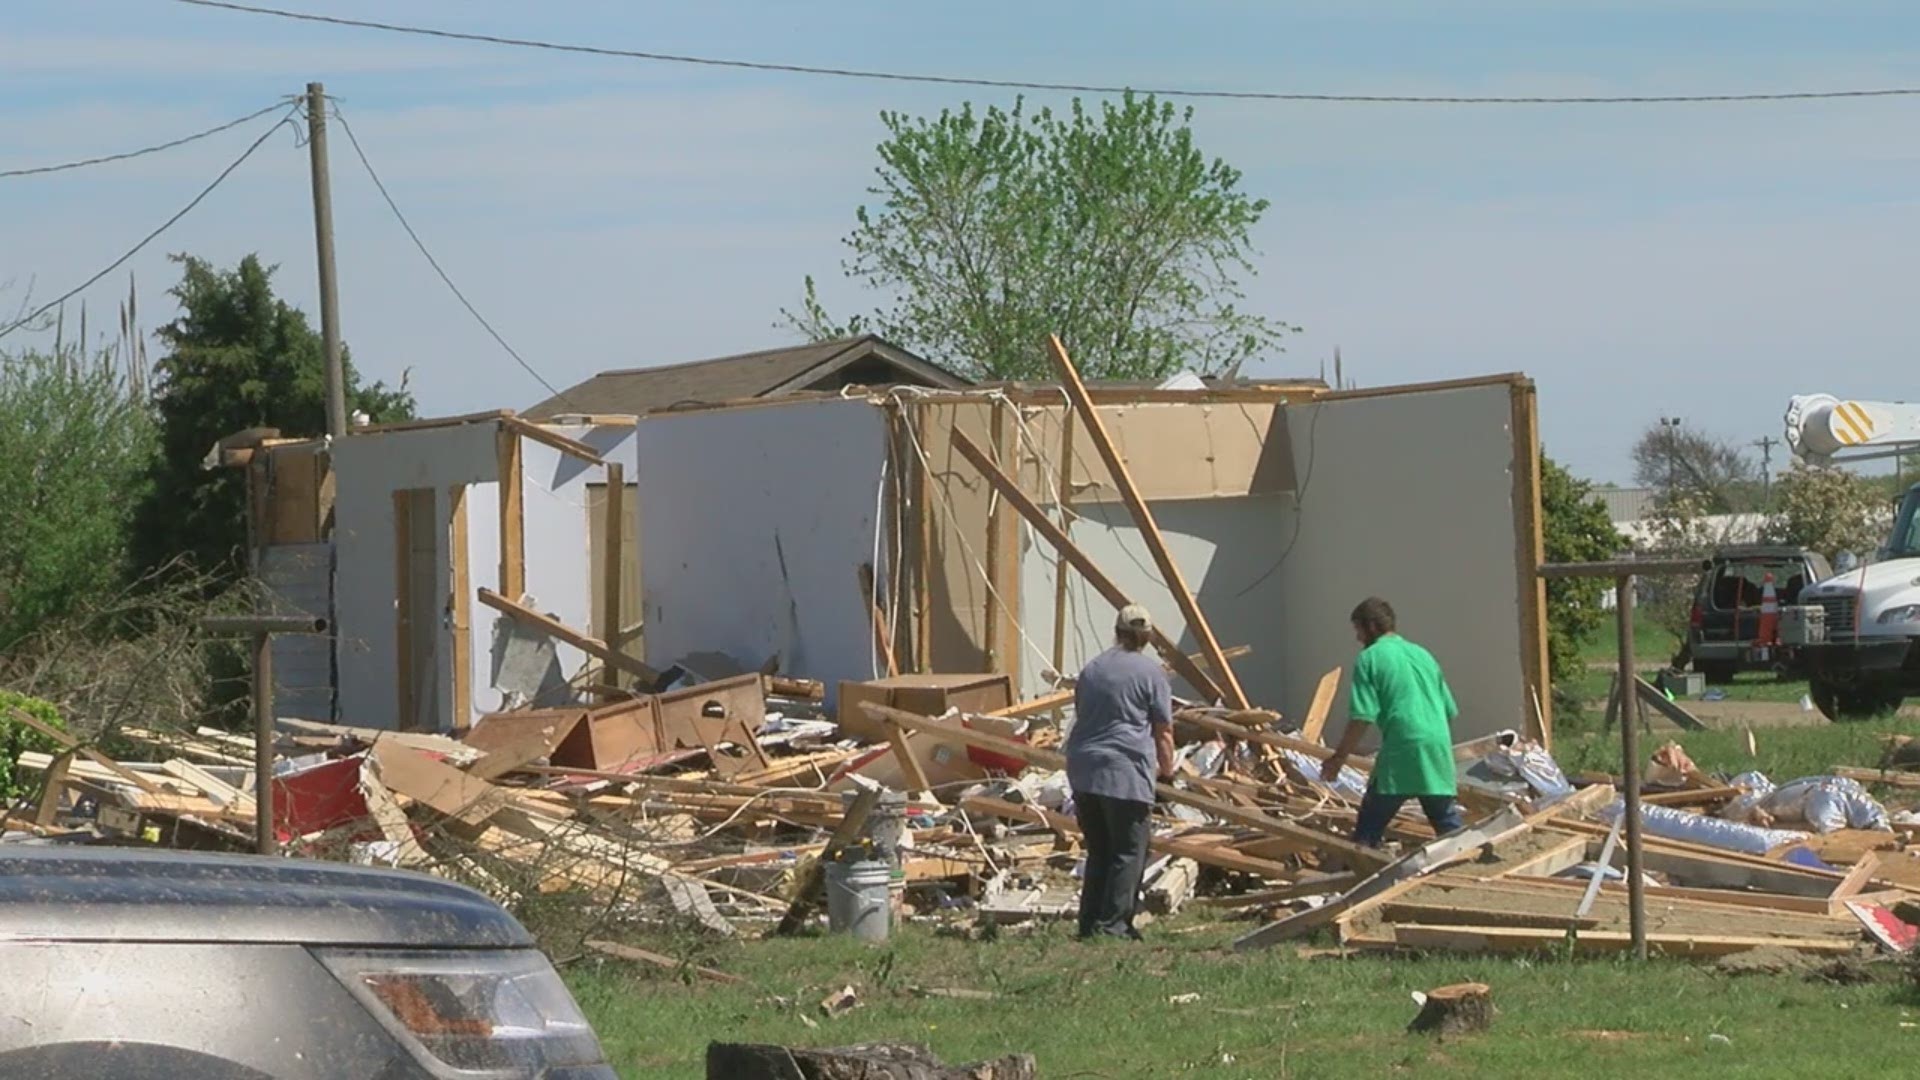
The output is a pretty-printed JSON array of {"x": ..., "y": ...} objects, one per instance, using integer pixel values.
[{"x": 1769, "y": 613}]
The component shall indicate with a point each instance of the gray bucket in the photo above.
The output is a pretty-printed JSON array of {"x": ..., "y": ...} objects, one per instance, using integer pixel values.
[{"x": 857, "y": 899}]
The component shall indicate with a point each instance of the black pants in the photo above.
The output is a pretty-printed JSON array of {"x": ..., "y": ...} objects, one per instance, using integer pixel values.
[{"x": 1116, "y": 833}]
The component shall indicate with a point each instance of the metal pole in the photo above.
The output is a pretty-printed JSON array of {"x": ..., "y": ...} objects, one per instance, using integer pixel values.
[
  {"x": 323, "y": 243},
  {"x": 1630, "y": 766},
  {"x": 263, "y": 839}
]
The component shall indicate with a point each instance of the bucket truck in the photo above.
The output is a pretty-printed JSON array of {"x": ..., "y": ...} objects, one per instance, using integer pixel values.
[{"x": 1870, "y": 660}]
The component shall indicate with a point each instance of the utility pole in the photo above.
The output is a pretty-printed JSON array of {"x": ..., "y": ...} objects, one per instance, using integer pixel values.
[
  {"x": 1671, "y": 425},
  {"x": 323, "y": 243},
  {"x": 1766, "y": 446}
]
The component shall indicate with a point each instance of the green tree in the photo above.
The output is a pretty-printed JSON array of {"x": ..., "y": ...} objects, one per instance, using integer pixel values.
[
  {"x": 76, "y": 444},
  {"x": 1576, "y": 529},
  {"x": 1107, "y": 226},
  {"x": 237, "y": 357},
  {"x": 1829, "y": 510}
]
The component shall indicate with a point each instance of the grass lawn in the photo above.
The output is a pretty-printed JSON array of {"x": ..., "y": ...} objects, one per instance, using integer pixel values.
[{"x": 1104, "y": 1011}]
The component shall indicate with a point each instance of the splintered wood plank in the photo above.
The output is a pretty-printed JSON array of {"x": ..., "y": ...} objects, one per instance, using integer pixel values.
[
  {"x": 1495, "y": 939},
  {"x": 1170, "y": 574},
  {"x": 68, "y": 742},
  {"x": 1321, "y": 707}
]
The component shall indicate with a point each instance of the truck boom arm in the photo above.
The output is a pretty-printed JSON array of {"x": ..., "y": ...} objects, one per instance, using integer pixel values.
[{"x": 1821, "y": 427}]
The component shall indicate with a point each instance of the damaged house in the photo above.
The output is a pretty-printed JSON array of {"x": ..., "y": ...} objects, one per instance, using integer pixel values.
[{"x": 843, "y": 534}]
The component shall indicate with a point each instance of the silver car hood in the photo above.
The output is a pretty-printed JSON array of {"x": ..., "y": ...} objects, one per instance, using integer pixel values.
[{"x": 65, "y": 893}]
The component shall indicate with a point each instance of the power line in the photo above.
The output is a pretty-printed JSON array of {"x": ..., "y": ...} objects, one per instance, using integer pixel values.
[
  {"x": 1084, "y": 88},
  {"x": 150, "y": 237},
  {"x": 435, "y": 263},
  {"x": 184, "y": 140}
]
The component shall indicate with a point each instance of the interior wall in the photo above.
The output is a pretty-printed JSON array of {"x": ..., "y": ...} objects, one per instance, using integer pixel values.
[
  {"x": 1222, "y": 548},
  {"x": 1411, "y": 497},
  {"x": 754, "y": 523},
  {"x": 369, "y": 469}
]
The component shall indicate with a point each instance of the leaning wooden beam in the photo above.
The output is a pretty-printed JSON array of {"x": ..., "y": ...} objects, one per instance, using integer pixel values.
[
  {"x": 1149, "y": 531},
  {"x": 1324, "y": 842},
  {"x": 849, "y": 828},
  {"x": 1037, "y": 519},
  {"x": 68, "y": 742},
  {"x": 554, "y": 439},
  {"x": 513, "y": 558},
  {"x": 588, "y": 644}
]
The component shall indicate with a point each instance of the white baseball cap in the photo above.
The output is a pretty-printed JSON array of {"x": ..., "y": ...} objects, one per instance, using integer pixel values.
[{"x": 1134, "y": 617}]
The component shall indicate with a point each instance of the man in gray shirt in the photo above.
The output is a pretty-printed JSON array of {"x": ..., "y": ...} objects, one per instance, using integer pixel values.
[{"x": 1122, "y": 738}]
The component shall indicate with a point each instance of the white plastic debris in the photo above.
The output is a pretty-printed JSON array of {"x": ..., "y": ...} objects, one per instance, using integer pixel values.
[
  {"x": 1522, "y": 759},
  {"x": 1824, "y": 803}
]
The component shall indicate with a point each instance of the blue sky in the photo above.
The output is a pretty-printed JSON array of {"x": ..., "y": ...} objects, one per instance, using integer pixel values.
[{"x": 1704, "y": 261}]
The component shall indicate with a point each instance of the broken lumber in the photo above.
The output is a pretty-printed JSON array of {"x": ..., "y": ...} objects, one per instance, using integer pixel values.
[
  {"x": 1325, "y": 842},
  {"x": 1322, "y": 706},
  {"x": 645, "y": 956},
  {"x": 68, "y": 742},
  {"x": 1488, "y": 939},
  {"x": 1176, "y": 582}
]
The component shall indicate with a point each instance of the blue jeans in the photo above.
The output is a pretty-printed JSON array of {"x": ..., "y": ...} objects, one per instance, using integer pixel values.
[{"x": 1377, "y": 810}]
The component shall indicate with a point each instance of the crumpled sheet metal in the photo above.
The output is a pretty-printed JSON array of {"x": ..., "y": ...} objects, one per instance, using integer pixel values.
[
  {"x": 1351, "y": 782},
  {"x": 1671, "y": 824},
  {"x": 1824, "y": 803}
]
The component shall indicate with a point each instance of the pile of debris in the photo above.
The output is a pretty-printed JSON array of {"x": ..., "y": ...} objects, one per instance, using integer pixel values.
[{"x": 715, "y": 803}]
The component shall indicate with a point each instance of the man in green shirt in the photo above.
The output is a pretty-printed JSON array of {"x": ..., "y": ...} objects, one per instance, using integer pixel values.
[{"x": 1398, "y": 687}]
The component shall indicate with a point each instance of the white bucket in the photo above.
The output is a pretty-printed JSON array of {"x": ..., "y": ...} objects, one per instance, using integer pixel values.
[{"x": 857, "y": 899}]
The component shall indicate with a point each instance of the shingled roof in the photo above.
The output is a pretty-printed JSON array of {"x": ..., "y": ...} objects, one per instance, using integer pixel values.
[{"x": 827, "y": 365}]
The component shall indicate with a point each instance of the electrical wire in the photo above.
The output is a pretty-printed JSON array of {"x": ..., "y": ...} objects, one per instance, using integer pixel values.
[
  {"x": 1085, "y": 88},
  {"x": 145, "y": 150},
  {"x": 150, "y": 237},
  {"x": 435, "y": 263}
]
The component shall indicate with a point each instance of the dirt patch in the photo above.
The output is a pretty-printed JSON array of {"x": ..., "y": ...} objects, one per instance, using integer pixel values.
[{"x": 1765, "y": 961}]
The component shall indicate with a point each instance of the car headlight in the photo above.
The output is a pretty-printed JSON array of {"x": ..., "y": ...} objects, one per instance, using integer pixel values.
[
  {"x": 471, "y": 1015},
  {"x": 1906, "y": 613}
]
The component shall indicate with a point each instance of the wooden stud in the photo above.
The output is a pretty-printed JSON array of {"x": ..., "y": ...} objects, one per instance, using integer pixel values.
[
  {"x": 403, "y": 613},
  {"x": 513, "y": 525},
  {"x": 1066, "y": 526},
  {"x": 909, "y": 761},
  {"x": 55, "y": 782},
  {"x": 1851, "y": 885},
  {"x": 1104, "y": 585},
  {"x": 996, "y": 608},
  {"x": 1530, "y": 551},
  {"x": 1149, "y": 531},
  {"x": 612, "y": 547},
  {"x": 843, "y": 834},
  {"x": 460, "y": 607},
  {"x": 923, "y": 557}
]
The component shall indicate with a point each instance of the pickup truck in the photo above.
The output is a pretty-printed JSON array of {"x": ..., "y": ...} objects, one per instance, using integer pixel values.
[
  {"x": 150, "y": 965},
  {"x": 1725, "y": 621}
]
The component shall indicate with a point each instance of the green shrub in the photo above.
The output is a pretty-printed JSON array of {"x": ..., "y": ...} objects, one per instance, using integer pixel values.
[{"x": 16, "y": 738}]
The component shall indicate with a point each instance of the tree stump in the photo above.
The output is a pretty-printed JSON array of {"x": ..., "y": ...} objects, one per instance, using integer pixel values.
[
  {"x": 1455, "y": 1010},
  {"x": 880, "y": 1061}
]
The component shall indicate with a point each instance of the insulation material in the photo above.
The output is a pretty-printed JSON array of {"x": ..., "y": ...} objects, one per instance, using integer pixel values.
[
  {"x": 1665, "y": 821},
  {"x": 760, "y": 520},
  {"x": 1523, "y": 759},
  {"x": 1823, "y": 803}
]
